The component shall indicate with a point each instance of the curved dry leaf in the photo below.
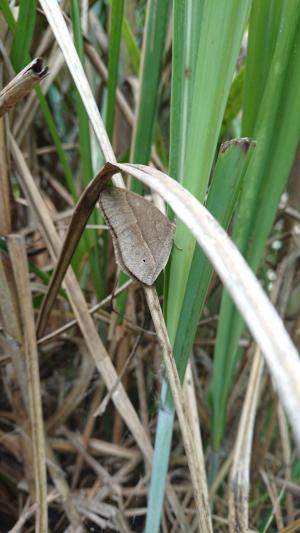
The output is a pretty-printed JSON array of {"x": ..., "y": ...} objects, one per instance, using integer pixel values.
[{"x": 22, "y": 84}]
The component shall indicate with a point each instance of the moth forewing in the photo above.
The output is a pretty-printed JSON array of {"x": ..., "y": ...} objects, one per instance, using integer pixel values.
[{"x": 142, "y": 235}]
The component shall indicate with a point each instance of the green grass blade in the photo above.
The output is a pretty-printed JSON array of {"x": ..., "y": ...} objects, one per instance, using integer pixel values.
[
  {"x": 230, "y": 168},
  {"x": 277, "y": 133},
  {"x": 132, "y": 47},
  {"x": 263, "y": 30},
  {"x": 163, "y": 440},
  {"x": 135, "y": 58},
  {"x": 186, "y": 30},
  {"x": 113, "y": 62},
  {"x": 150, "y": 71},
  {"x": 90, "y": 239},
  {"x": 58, "y": 145},
  {"x": 152, "y": 55},
  {"x": 84, "y": 132},
  {"x": 23, "y": 36},
  {"x": 222, "y": 26},
  {"x": 234, "y": 103},
  {"x": 160, "y": 146},
  {"x": 222, "y": 196},
  {"x": 8, "y": 15}
]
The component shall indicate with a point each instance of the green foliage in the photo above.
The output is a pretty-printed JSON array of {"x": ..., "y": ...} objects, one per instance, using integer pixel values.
[
  {"x": 113, "y": 62},
  {"x": 20, "y": 49},
  {"x": 151, "y": 65},
  {"x": 276, "y": 128}
]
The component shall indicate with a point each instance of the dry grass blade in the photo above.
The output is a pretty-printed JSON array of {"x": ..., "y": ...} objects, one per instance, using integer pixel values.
[
  {"x": 239, "y": 485},
  {"x": 12, "y": 327},
  {"x": 79, "y": 305},
  {"x": 291, "y": 527},
  {"x": 22, "y": 84},
  {"x": 275, "y": 499},
  {"x": 18, "y": 256},
  {"x": 239, "y": 478},
  {"x": 190, "y": 399},
  {"x": 287, "y": 458},
  {"x": 92, "y": 310},
  {"x": 193, "y": 452},
  {"x": 240, "y": 473},
  {"x": 63, "y": 488},
  {"x": 26, "y": 116},
  {"x": 5, "y": 219},
  {"x": 29, "y": 512},
  {"x": 12, "y": 343},
  {"x": 76, "y": 395}
]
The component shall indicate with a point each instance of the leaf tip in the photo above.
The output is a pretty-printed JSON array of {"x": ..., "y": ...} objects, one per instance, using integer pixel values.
[{"x": 244, "y": 143}]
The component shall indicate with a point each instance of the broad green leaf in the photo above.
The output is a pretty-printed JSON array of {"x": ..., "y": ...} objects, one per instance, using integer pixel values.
[
  {"x": 222, "y": 26},
  {"x": 276, "y": 130}
]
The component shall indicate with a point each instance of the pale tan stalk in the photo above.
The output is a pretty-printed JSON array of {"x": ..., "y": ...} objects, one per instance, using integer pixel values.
[
  {"x": 239, "y": 477},
  {"x": 26, "y": 116},
  {"x": 18, "y": 256},
  {"x": 5, "y": 219},
  {"x": 191, "y": 439}
]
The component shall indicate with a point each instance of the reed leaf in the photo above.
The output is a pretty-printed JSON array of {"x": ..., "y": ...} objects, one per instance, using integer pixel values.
[
  {"x": 220, "y": 37},
  {"x": 117, "y": 8},
  {"x": 20, "y": 49},
  {"x": 150, "y": 72},
  {"x": 276, "y": 129},
  {"x": 90, "y": 239}
]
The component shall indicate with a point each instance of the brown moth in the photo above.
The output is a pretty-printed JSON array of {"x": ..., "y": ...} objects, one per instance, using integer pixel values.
[{"x": 142, "y": 235}]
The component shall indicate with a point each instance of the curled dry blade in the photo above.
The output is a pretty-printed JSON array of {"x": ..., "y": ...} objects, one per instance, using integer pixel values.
[
  {"x": 142, "y": 235},
  {"x": 22, "y": 84}
]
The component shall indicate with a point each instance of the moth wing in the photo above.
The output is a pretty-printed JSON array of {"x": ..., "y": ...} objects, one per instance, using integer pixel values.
[
  {"x": 157, "y": 231},
  {"x": 132, "y": 252}
]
